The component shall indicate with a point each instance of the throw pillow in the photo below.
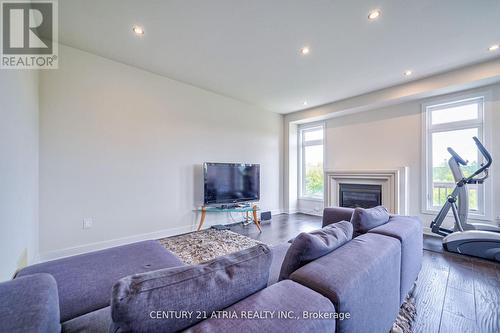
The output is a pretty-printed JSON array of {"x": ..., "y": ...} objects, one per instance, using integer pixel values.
[
  {"x": 171, "y": 299},
  {"x": 307, "y": 247},
  {"x": 365, "y": 219}
]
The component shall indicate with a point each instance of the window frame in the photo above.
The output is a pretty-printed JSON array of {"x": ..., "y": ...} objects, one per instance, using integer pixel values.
[
  {"x": 301, "y": 161},
  {"x": 482, "y": 123}
]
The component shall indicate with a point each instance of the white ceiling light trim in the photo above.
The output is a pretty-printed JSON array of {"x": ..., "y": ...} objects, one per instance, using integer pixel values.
[
  {"x": 138, "y": 30},
  {"x": 494, "y": 47},
  {"x": 374, "y": 14},
  {"x": 305, "y": 50}
]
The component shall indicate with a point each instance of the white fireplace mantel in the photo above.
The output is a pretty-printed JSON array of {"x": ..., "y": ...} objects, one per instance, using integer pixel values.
[{"x": 393, "y": 182}]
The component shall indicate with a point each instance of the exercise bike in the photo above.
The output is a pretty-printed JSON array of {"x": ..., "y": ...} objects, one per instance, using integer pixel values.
[{"x": 474, "y": 239}]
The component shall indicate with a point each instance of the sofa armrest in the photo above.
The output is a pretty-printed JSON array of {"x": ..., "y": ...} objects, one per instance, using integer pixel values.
[
  {"x": 271, "y": 305},
  {"x": 84, "y": 281},
  {"x": 336, "y": 214},
  {"x": 30, "y": 304},
  {"x": 408, "y": 230},
  {"x": 361, "y": 278}
]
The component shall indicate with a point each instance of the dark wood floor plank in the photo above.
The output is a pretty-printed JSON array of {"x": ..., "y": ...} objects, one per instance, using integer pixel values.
[
  {"x": 429, "y": 295},
  {"x": 460, "y": 303},
  {"x": 281, "y": 228},
  {"x": 433, "y": 243},
  {"x": 461, "y": 278},
  {"x": 487, "y": 297},
  {"x": 459, "y": 260},
  {"x": 435, "y": 260},
  {"x": 488, "y": 318},
  {"x": 486, "y": 268},
  {"x": 451, "y": 323}
]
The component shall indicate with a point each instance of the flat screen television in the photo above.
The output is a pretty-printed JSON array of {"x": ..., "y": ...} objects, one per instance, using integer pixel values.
[{"x": 231, "y": 183}]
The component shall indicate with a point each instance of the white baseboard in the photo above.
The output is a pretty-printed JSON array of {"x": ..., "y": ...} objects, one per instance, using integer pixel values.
[
  {"x": 276, "y": 211},
  {"x": 295, "y": 211},
  {"x": 310, "y": 212},
  {"x": 71, "y": 251}
]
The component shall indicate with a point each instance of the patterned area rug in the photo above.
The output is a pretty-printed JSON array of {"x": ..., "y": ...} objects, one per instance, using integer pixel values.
[
  {"x": 197, "y": 247},
  {"x": 406, "y": 317}
]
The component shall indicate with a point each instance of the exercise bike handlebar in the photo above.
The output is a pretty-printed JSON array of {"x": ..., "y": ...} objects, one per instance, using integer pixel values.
[
  {"x": 484, "y": 166},
  {"x": 456, "y": 156},
  {"x": 484, "y": 152}
]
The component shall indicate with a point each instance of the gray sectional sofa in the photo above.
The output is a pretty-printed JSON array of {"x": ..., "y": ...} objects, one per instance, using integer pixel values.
[
  {"x": 406, "y": 229},
  {"x": 357, "y": 287}
]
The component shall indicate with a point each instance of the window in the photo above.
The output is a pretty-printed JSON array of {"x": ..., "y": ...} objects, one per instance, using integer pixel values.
[
  {"x": 453, "y": 124},
  {"x": 311, "y": 161}
]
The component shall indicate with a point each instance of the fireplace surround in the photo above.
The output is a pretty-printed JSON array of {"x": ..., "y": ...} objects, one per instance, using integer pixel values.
[{"x": 393, "y": 184}]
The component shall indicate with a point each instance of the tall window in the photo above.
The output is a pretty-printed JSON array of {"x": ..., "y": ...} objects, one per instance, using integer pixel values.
[
  {"x": 311, "y": 161},
  {"x": 453, "y": 124}
]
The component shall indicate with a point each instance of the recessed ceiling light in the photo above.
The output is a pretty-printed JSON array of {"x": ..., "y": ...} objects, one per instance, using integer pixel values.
[
  {"x": 138, "y": 30},
  {"x": 305, "y": 50},
  {"x": 374, "y": 14},
  {"x": 408, "y": 73},
  {"x": 305, "y": 103},
  {"x": 494, "y": 47}
]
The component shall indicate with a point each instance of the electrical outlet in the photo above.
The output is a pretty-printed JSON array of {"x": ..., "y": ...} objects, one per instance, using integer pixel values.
[{"x": 87, "y": 222}]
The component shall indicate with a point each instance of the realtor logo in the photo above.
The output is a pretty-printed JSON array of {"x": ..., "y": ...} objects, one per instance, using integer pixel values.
[{"x": 29, "y": 34}]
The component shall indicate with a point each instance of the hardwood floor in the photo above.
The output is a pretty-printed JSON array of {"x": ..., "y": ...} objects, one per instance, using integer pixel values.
[
  {"x": 281, "y": 229},
  {"x": 454, "y": 293}
]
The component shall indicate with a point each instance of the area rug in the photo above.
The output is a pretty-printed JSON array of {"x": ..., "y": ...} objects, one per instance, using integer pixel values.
[
  {"x": 198, "y": 247},
  {"x": 406, "y": 317}
]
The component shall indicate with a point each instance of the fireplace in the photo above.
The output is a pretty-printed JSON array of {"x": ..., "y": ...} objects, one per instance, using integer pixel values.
[
  {"x": 392, "y": 185},
  {"x": 360, "y": 195}
]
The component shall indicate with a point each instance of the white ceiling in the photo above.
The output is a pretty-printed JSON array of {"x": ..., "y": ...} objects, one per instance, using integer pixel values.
[{"x": 249, "y": 50}]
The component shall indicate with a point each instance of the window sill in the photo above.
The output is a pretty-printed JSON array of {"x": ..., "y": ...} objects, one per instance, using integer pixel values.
[
  {"x": 310, "y": 199},
  {"x": 474, "y": 217}
]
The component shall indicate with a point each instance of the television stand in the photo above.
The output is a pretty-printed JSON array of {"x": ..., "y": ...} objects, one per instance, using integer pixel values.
[
  {"x": 230, "y": 206},
  {"x": 246, "y": 209}
]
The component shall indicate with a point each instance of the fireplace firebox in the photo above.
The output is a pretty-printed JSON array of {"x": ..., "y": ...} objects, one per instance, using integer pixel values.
[{"x": 360, "y": 195}]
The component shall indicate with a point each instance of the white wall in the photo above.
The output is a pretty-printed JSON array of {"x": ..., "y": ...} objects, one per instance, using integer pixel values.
[
  {"x": 390, "y": 137},
  {"x": 18, "y": 170},
  {"x": 495, "y": 150},
  {"x": 125, "y": 147}
]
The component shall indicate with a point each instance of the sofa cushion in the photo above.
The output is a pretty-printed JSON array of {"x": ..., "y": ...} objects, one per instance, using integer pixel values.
[
  {"x": 366, "y": 219},
  {"x": 307, "y": 247},
  {"x": 283, "y": 296},
  {"x": 360, "y": 278},
  {"x": 336, "y": 214},
  {"x": 84, "y": 281},
  {"x": 279, "y": 252},
  {"x": 408, "y": 230},
  {"x": 97, "y": 321},
  {"x": 29, "y": 304},
  {"x": 207, "y": 287}
]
